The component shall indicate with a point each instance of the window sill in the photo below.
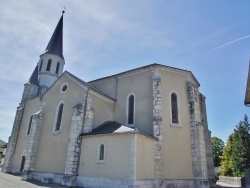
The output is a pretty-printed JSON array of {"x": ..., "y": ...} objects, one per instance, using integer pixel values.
[
  {"x": 175, "y": 125},
  {"x": 56, "y": 132},
  {"x": 100, "y": 161}
]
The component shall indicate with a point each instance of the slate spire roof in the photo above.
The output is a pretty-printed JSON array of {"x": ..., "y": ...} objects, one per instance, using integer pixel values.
[
  {"x": 55, "y": 45},
  {"x": 34, "y": 77}
]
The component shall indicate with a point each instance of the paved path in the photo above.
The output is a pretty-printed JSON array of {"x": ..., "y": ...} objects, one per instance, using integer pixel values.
[{"x": 14, "y": 181}]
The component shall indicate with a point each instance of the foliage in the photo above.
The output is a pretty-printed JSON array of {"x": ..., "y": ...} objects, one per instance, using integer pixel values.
[
  {"x": 226, "y": 168},
  {"x": 217, "y": 145},
  {"x": 236, "y": 154},
  {"x": 2, "y": 142}
]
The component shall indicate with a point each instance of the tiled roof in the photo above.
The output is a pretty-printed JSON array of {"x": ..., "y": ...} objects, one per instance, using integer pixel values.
[{"x": 109, "y": 127}]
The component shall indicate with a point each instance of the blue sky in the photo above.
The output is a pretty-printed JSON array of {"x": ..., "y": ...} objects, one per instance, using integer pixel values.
[{"x": 211, "y": 38}]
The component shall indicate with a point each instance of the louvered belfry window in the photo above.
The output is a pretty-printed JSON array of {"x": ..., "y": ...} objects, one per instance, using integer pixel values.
[
  {"x": 131, "y": 109},
  {"x": 57, "y": 67},
  {"x": 48, "y": 65},
  {"x": 174, "y": 108}
]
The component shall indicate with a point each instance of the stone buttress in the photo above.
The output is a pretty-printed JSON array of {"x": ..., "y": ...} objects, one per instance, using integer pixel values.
[
  {"x": 8, "y": 162},
  {"x": 32, "y": 147},
  {"x": 157, "y": 128},
  {"x": 79, "y": 125},
  {"x": 199, "y": 160},
  {"x": 208, "y": 143}
]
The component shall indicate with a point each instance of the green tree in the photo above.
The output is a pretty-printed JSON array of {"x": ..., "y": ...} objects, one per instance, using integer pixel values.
[
  {"x": 226, "y": 168},
  {"x": 241, "y": 149},
  {"x": 236, "y": 154},
  {"x": 217, "y": 146}
]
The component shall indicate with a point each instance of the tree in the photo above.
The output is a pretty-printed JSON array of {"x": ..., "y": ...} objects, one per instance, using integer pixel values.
[
  {"x": 217, "y": 146},
  {"x": 226, "y": 158},
  {"x": 241, "y": 149},
  {"x": 236, "y": 154}
]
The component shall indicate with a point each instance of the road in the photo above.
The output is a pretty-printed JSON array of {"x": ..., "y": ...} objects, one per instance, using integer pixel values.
[{"x": 14, "y": 181}]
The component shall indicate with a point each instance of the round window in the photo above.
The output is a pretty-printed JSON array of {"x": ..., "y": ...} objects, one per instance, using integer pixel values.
[{"x": 64, "y": 88}]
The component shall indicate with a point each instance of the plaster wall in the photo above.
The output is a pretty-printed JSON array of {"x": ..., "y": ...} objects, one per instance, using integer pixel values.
[
  {"x": 52, "y": 149},
  {"x": 117, "y": 156},
  {"x": 176, "y": 145},
  {"x": 145, "y": 157},
  {"x": 31, "y": 107},
  {"x": 140, "y": 85}
]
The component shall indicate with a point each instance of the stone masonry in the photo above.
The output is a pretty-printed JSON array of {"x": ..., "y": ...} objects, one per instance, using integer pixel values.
[
  {"x": 200, "y": 174},
  {"x": 73, "y": 152},
  {"x": 132, "y": 171},
  {"x": 157, "y": 128},
  {"x": 32, "y": 147},
  {"x": 208, "y": 143},
  {"x": 13, "y": 139}
]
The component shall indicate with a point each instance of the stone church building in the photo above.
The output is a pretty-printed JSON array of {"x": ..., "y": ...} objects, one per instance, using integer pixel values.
[{"x": 146, "y": 127}]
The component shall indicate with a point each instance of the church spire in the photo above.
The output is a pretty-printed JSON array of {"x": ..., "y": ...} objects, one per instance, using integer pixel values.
[{"x": 55, "y": 45}]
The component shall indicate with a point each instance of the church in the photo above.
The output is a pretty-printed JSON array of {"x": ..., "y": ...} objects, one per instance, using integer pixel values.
[{"x": 146, "y": 127}]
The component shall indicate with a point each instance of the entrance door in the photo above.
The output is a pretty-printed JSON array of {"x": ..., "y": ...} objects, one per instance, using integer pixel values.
[{"x": 22, "y": 164}]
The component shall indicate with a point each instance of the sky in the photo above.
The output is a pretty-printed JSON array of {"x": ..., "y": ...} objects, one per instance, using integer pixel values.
[{"x": 211, "y": 38}]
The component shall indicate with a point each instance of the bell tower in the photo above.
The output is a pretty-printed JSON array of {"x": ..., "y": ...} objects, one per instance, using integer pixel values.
[{"x": 51, "y": 62}]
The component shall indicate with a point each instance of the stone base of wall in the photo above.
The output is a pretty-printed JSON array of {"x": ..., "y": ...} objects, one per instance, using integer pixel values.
[
  {"x": 15, "y": 171},
  {"x": 231, "y": 180},
  {"x": 47, "y": 177},
  {"x": 89, "y": 182}
]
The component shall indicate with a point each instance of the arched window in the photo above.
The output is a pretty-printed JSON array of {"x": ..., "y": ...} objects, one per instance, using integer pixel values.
[
  {"x": 59, "y": 117},
  {"x": 101, "y": 153},
  {"x": 174, "y": 108},
  {"x": 29, "y": 127},
  {"x": 48, "y": 65},
  {"x": 131, "y": 109},
  {"x": 57, "y": 67},
  {"x": 41, "y": 64}
]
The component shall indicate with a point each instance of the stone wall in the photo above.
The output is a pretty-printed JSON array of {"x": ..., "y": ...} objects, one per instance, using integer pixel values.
[
  {"x": 79, "y": 124},
  {"x": 208, "y": 143},
  {"x": 198, "y": 147},
  {"x": 157, "y": 127},
  {"x": 231, "y": 180},
  {"x": 32, "y": 147},
  {"x": 13, "y": 140}
]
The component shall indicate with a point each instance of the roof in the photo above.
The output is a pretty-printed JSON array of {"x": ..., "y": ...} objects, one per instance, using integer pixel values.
[
  {"x": 146, "y": 67},
  {"x": 90, "y": 86},
  {"x": 247, "y": 94},
  {"x": 34, "y": 77},
  {"x": 109, "y": 127},
  {"x": 55, "y": 45},
  {"x": 81, "y": 82}
]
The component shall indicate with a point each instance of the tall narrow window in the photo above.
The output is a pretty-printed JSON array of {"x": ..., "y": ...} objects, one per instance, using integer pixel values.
[
  {"x": 48, "y": 65},
  {"x": 130, "y": 110},
  {"x": 174, "y": 108},
  {"x": 59, "y": 117},
  {"x": 100, "y": 153},
  {"x": 57, "y": 67},
  {"x": 41, "y": 64},
  {"x": 29, "y": 127}
]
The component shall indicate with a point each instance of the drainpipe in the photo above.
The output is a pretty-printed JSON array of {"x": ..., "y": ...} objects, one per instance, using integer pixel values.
[{"x": 83, "y": 122}]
